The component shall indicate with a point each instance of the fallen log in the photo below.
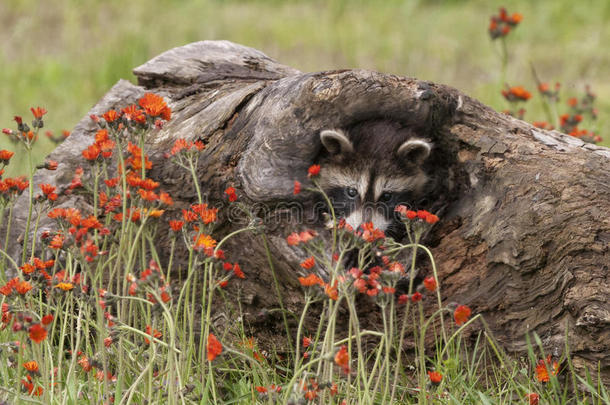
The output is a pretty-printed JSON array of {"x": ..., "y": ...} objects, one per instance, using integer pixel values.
[{"x": 524, "y": 233}]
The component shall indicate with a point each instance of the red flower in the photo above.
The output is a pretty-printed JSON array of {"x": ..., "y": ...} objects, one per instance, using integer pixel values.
[
  {"x": 37, "y": 333},
  {"x": 416, "y": 297},
  {"x": 27, "y": 268},
  {"x": 214, "y": 347},
  {"x": 152, "y": 332},
  {"x": 110, "y": 115},
  {"x": 48, "y": 191},
  {"x": 533, "y": 398},
  {"x": 307, "y": 235},
  {"x": 38, "y": 112},
  {"x": 313, "y": 170},
  {"x": 6, "y": 155},
  {"x": 342, "y": 359},
  {"x": 306, "y": 342},
  {"x": 237, "y": 271},
  {"x": 402, "y": 299},
  {"x": 31, "y": 366},
  {"x": 293, "y": 239},
  {"x": 308, "y": 263},
  {"x": 176, "y": 225},
  {"x": 155, "y": 106},
  {"x": 92, "y": 152},
  {"x": 545, "y": 368},
  {"x": 57, "y": 242},
  {"x": 370, "y": 234},
  {"x": 204, "y": 241},
  {"x": 430, "y": 283},
  {"x": 331, "y": 291},
  {"x": 231, "y": 193},
  {"x": 23, "y": 287},
  {"x": 311, "y": 280},
  {"x": 435, "y": 377},
  {"x": 297, "y": 187},
  {"x": 517, "y": 93},
  {"x": 431, "y": 219},
  {"x": 29, "y": 387},
  {"x": 461, "y": 314}
]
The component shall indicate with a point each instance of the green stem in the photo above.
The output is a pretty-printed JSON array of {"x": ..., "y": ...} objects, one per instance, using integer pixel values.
[
  {"x": 6, "y": 239},
  {"x": 298, "y": 339},
  {"x": 30, "y": 204},
  {"x": 35, "y": 232},
  {"x": 278, "y": 291}
]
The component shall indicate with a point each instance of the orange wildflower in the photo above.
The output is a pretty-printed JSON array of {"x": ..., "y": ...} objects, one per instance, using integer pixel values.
[
  {"x": 311, "y": 280},
  {"x": 237, "y": 271},
  {"x": 31, "y": 366},
  {"x": 176, "y": 225},
  {"x": 342, "y": 359},
  {"x": 47, "y": 319},
  {"x": 308, "y": 263},
  {"x": 85, "y": 364},
  {"x": 110, "y": 115},
  {"x": 214, "y": 347},
  {"x": 57, "y": 242},
  {"x": 430, "y": 283},
  {"x": 28, "y": 268},
  {"x": 313, "y": 171},
  {"x": 331, "y": 291},
  {"x": 293, "y": 239},
  {"x": 165, "y": 198},
  {"x": 65, "y": 286},
  {"x": 532, "y": 398},
  {"x": 37, "y": 333},
  {"x": 435, "y": 377},
  {"x": 231, "y": 193},
  {"x": 461, "y": 314},
  {"x": 546, "y": 368},
  {"x": 38, "y": 112},
  {"x": 204, "y": 241},
  {"x": 23, "y": 287},
  {"x": 6, "y": 155},
  {"x": 155, "y": 106},
  {"x": 517, "y": 93},
  {"x": 152, "y": 332}
]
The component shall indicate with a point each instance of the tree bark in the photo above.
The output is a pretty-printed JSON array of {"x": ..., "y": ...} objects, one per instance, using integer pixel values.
[{"x": 524, "y": 231}]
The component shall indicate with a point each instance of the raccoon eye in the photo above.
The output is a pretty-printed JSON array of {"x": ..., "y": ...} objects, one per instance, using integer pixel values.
[
  {"x": 351, "y": 192},
  {"x": 385, "y": 197}
]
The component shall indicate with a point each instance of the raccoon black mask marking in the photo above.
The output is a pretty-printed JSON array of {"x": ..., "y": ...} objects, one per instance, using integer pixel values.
[{"x": 371, "y": 170}]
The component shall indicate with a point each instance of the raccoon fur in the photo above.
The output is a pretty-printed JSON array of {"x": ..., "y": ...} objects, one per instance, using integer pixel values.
[{"x": 370, "y": 170}]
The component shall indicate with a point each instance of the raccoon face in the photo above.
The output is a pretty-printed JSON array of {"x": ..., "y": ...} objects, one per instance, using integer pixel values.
[{"x": 367, "y": 173}]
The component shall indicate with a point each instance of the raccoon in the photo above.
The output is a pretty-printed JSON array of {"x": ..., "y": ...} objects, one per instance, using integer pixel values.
[{"x": 372, "y": 169}]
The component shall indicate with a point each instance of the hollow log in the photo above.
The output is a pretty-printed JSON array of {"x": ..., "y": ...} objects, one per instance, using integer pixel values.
[{"x": 524, "y": 233}]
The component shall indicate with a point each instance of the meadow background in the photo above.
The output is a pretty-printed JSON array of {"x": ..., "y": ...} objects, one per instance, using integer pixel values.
[{"x": 64, "y": 55}]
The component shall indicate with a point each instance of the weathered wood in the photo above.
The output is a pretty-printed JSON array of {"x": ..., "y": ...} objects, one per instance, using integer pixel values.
[{"x": 524, "y": 235}]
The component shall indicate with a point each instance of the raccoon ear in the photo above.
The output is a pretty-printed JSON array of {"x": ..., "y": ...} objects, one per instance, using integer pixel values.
[
  {"x": 335, "y": 142},
  {"x": 414, "y": 150}
]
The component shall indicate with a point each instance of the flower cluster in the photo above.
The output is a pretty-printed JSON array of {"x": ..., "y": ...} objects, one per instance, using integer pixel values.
[
  {"x": 545, "y": 91},
  {"x": 501, "y": 25},
  {"x": 515, "y": 94},
  {"x": 579, "y": 109},
  {"x": 24, "y": 134},
  {"x": 546, "y": 368}
]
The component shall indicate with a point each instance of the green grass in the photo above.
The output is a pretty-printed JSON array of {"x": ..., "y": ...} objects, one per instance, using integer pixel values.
[{"x": 65, "y": 54}]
